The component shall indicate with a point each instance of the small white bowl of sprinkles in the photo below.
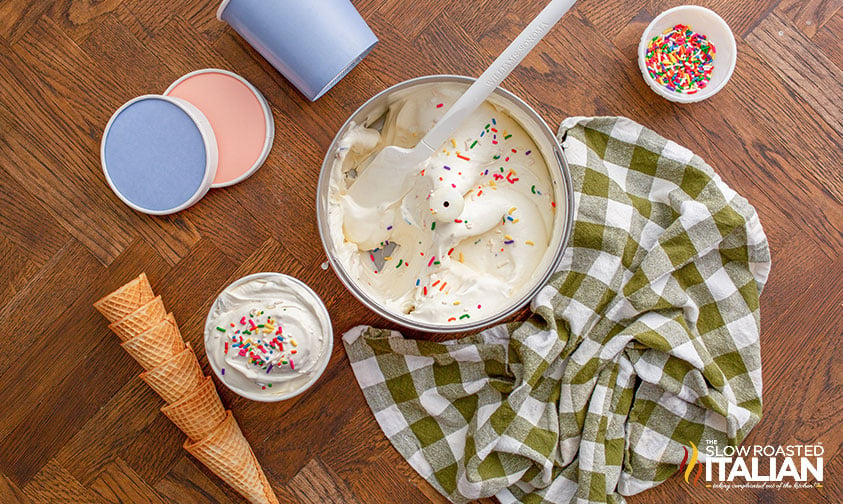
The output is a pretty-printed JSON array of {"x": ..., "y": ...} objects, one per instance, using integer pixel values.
[{"x": 687, "y": 54}]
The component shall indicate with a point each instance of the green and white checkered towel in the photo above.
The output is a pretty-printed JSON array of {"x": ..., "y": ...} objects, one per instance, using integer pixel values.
[{"x": 645, "y": 340}]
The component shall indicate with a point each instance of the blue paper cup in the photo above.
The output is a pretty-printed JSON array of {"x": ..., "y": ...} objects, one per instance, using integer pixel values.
[{"x": 312, "y": 43}]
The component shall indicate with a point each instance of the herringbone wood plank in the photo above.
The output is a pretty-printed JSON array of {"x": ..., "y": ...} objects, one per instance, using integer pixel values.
[{"x": 81, "y": 427}]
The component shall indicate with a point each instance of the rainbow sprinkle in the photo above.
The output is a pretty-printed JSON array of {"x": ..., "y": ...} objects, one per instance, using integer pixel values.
[
  {"x": 263, "y": 353},
  {"x": 681, "y": 59}
]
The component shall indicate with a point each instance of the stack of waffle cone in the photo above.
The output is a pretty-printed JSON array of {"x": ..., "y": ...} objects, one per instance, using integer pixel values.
[{"x": 152, "y": 337}]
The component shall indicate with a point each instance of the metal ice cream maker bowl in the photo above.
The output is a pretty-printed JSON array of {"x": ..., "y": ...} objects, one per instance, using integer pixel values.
[{"x": 371, "y": 112}]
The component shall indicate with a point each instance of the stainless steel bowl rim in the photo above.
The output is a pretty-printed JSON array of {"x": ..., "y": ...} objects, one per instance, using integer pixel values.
[{"x": 321, "y": 214}]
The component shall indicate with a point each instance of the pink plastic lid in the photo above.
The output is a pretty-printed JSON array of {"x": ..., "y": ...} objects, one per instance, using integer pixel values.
[{"x": 239, "y": 115}]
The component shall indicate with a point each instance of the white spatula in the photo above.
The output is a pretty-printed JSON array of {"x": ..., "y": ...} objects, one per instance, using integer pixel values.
[{"x": 392, "y": 168}]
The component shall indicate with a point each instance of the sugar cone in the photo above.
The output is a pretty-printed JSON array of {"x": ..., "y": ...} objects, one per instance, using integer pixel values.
[
  {"x": 154, "y": 346},
  {"x": 198, "y": 413},
  {"x": 126, "y": 299},
  {"x": 140, "y": 320},
  {"x": 176, "y": 377},
  {"x": 227, "y": 453}
]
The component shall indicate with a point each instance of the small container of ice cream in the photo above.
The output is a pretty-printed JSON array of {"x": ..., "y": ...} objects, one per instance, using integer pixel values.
[
  {"x": 268, "y": 337},
  {"x": 416, "y": 268}
]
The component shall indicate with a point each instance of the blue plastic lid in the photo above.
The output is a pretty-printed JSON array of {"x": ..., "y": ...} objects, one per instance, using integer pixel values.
[{"x": 159, "y": 154}]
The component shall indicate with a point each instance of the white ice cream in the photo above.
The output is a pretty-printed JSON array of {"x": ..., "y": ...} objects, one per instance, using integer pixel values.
[
  {"x": 456, "y": 271},
  {"x": 268, "y": 336}
]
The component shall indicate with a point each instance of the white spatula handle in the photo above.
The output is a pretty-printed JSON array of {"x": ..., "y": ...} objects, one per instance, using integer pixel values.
[{"x": 495, "y": 74}]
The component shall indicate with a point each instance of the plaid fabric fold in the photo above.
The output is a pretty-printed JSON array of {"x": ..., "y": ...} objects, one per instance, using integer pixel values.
[{"x": 645, "y": 340}]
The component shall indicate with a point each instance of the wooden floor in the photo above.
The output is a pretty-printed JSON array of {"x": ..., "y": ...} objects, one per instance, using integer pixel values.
[{"x": 77, "y": 425}]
